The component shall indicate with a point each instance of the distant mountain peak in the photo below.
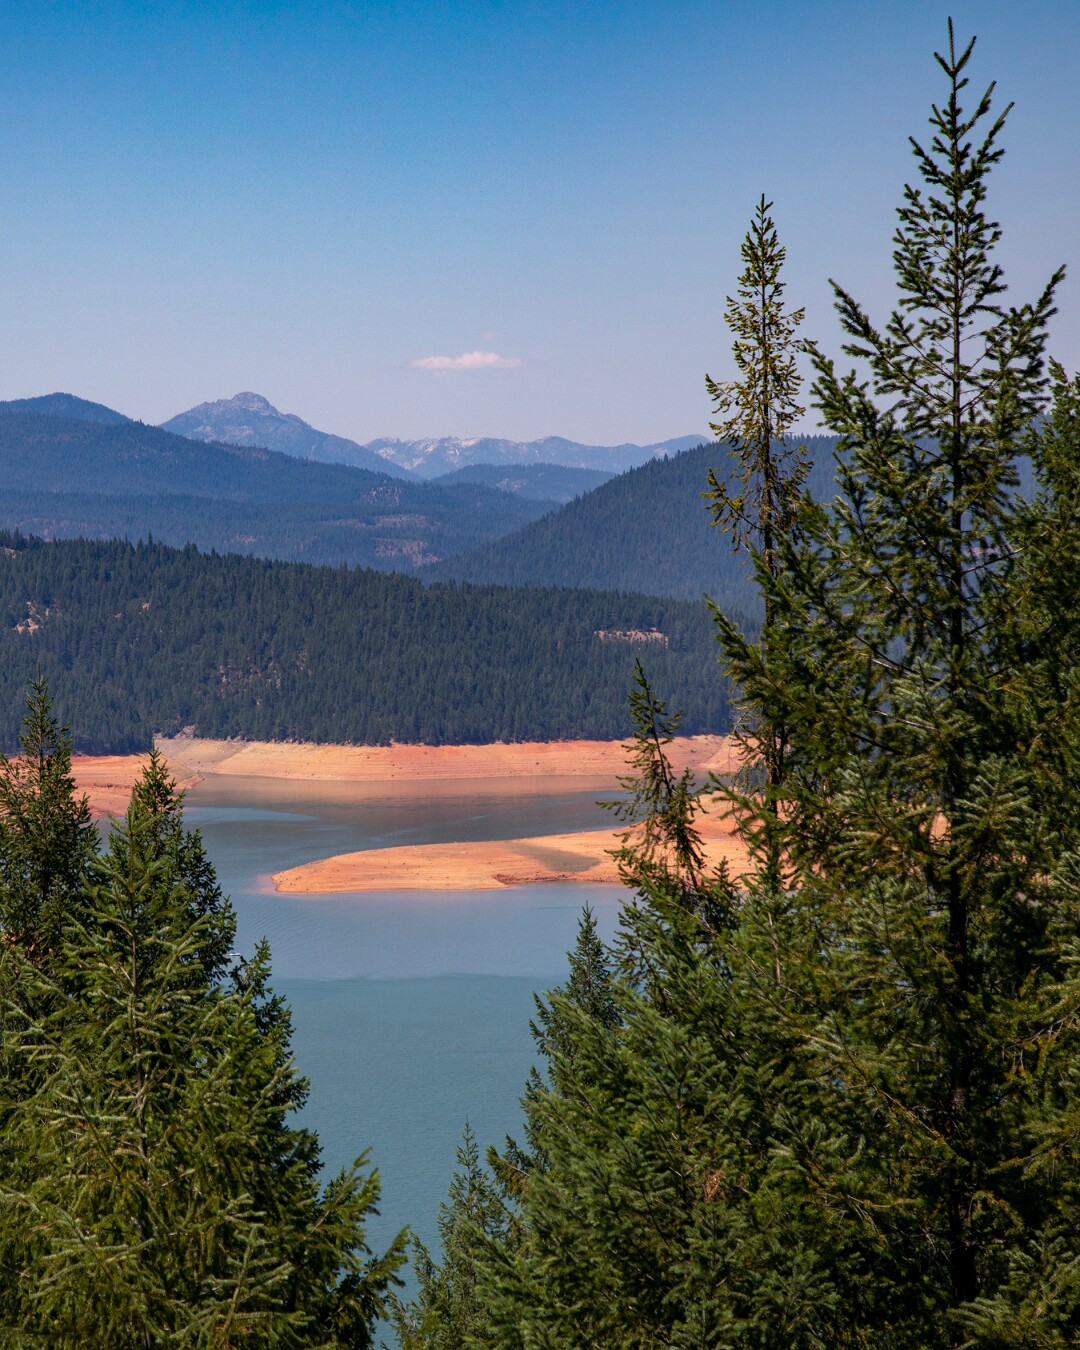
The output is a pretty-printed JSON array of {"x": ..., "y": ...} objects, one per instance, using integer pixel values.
[
  {"x": 249, "y": 419},
  {"x": 250, "y": 402},
  {"x": 246, "y": 401}
]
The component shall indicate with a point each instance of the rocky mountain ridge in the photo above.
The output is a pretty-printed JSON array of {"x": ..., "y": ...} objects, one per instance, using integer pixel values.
[{"x": 249, "y": 419}]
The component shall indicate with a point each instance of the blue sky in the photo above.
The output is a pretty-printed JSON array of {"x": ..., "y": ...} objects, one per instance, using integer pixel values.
[{"x": 306, "y": 200}]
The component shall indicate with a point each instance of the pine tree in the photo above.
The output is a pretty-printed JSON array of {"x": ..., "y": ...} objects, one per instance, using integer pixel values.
[
  {"x": 46, "y": 835},
  {"x": 158, "y": 800},
  {"x": 931, "y": 863},
  {"x": 848, "y": 1115},
  {"x": 589, "y": 991},
  {"x": 661, "y": 851},
  {"x": 756, "y": 413},
  {"x": 485, "y": 1230},
  {"x": 450, "y": 1310},
  {"x": 153, "y": 1189}
]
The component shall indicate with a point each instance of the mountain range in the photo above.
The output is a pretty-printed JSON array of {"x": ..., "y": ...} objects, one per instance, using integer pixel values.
[
  {"x": 85, "y": 474},
  {"x": 428, "y": 458},
  {"x": 250, "y": 420},
  {"x": 71, "y": 468}
]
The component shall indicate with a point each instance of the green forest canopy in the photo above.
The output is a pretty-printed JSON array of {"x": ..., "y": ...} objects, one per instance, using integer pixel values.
[
  {"x": 834, "y": 1103},
  {"x": 144, "y": 639}
]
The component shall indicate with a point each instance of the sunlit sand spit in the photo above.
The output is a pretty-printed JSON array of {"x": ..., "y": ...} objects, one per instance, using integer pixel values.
[{"x": 488, "y": 865}]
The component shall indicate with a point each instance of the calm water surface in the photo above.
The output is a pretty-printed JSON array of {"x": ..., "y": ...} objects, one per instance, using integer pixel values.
[{"x": 411, "y": 1009}]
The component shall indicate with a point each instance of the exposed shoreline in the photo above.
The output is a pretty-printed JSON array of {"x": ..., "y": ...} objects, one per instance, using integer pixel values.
[
  {"x": 546, "y": 767},
  {"x": 108, "y": 779},
  {"x": 194, "y": 757},
  {"x": 488, "y": 865}
]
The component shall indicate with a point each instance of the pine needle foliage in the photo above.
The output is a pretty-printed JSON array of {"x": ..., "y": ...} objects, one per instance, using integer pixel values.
[
  {"x": 762, "y": 513},
  {"x": 757, "y": 411},
  {"x": 932, "y": 866},
  {"x": 848, "y": 1116},
  {"x": 153, "y": 1190},
  {"x": 46, "y": 836},
  {"x": 659, "y": 807},
  {"x": 450, "y": 1310}
]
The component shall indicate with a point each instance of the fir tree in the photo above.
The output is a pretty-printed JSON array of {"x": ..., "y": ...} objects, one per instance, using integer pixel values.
[
  {"x": 153, "y": 1189},
  {"x": 756, "y": 412},
  {"x": 488, "y": 1260},
  {"x": 46, "y": 835},
  {"x": 849, "y": 1114},
  {"x": 661, "y": 849},
  {"x": 931, "y": 865},
  {"x": 450, "y": 1310}
]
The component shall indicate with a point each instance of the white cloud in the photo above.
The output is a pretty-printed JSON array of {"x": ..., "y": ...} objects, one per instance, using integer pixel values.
[{"x": 468, "y": 361}]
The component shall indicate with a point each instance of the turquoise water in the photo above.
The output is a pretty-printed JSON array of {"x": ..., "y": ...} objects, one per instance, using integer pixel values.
[{"x": 411, "y": 1009}]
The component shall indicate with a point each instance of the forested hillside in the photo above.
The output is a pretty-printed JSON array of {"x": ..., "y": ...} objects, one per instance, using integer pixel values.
[
  {"x": 138, "y": 639},
  {"x": 646, "y": 530},
  {"x": 65, "y": 405},
  {"x": 70, "y": 477}
]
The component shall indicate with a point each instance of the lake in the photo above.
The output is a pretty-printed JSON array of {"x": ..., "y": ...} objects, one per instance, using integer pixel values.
[{"x": 411, "y": 1009}]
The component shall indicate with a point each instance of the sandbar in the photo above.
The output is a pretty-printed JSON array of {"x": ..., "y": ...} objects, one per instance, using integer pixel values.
[{"x": 490, "y": 865}]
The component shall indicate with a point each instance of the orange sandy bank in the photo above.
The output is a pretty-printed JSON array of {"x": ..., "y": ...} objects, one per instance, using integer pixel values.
[
  {"x": 487, "y": 866},
  {"x": 375, "y": 763},
  {"x": 107, "y": 780}
]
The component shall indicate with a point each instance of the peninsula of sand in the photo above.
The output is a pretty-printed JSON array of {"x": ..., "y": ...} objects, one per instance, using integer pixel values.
[{"x": 548, "y": 767}]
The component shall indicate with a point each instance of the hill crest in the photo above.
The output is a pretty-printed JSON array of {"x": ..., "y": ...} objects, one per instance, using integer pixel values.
[{"x": 65, "y": 405}]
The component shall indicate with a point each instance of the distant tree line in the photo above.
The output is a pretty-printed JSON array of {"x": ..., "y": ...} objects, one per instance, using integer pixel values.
[
  {"x": 138, "y": 639},
  {"x": 645, "y": 530}
]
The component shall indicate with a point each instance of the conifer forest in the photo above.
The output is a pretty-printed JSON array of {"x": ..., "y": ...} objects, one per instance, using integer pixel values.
[{"x": 830, "y": 1102}]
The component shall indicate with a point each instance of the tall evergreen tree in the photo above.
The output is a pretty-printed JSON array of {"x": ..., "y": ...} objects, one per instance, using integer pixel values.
[
  {"x": 930, "y": 861},
  {"x": 760, "y": 503},
  {"x": 488, "y": 1258},
  {"x": 153, "y": 1190},
  {"x": 849, "y": 1116},
  {"x": 661, "y": 846},
  {"x": 450, "y": 1310},
  {"x": 46, "y": 836}
]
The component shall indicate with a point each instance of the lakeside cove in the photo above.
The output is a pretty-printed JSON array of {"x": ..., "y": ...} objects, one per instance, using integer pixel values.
[{"x": 455, "y": 865}]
